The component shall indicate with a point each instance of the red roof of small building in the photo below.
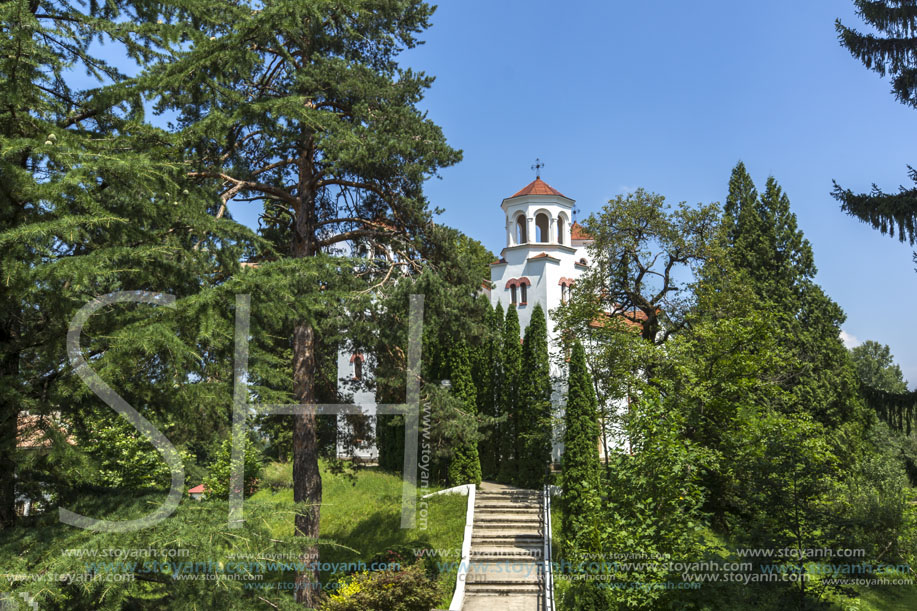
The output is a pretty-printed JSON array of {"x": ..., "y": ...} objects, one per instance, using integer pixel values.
[
  {"x": 537, "y": 187},
  {"x": 578, "y": 233},
  {"x": 31, "y": 431},
  {"x": 199, "y": 489}
]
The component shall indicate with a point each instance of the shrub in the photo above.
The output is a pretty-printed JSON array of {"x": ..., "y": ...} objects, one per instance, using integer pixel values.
[
  {"x": 406, "y": 590},
  {"x": 217, "y": 483}
]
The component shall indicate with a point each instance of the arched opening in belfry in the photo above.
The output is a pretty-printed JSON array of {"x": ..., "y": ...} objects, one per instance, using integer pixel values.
[
  {"x": 560, "y": 230},
  {"x": 521, "y": 238},
  {"x": 542, "y": 227}
]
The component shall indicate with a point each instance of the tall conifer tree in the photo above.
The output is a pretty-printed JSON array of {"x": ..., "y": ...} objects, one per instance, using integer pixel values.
[
  {"x": 534, "y": 426},
  {"x": 766, "y": 246},
  {"x": 465, "y": 465},
  {"x": 489, "y": 399},
  {"x": 303, "y": 107},
  {"x": 581, "y": 445},
  {"x": 93, "y": 200},
  {"x": 509, "y": 396}
]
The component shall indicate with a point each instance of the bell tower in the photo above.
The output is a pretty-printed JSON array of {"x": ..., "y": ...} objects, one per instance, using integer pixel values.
[{"x": 538, "y": 216}]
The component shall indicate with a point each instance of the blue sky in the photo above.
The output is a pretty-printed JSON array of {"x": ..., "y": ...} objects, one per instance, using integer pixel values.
[{"x": 669, "y": 95}]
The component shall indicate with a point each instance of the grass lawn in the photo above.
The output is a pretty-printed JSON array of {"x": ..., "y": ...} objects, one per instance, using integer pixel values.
[{"x": 360, "y": 521}]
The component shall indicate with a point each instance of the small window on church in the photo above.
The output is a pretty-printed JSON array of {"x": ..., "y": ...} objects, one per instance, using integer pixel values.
[
  {"x": 520, "y": 230},
  {"x": 563, "y": 293},
  {"x": 542, "y": 224},
  {"x": 358, "y": 368},
  {"x": 560, "y": 230},
  {"x": 512, "y": 292},
  {"x": 524, "y": 294}
]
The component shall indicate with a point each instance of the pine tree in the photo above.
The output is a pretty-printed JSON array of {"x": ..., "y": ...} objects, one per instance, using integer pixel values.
[
  {"x": 303, "y": 107},
  {"x": 581, "y": 446},
  {"x": 511, "y": 446},
  {"x": 892, "y": 52},
  {"x": 534, "y": 426},
  {"x": 465, "y": 465}
]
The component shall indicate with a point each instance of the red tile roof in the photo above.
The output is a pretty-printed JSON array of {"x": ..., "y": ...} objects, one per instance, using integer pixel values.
[
  {"x": 537, "y": 187},
  {"x": 632, "y": 319},
  {"x": 31, "y": 433},
  {"x": 199, "y": 489},
  {"x": 543, "y": 255},
  {"x": 578, "y": 233}
]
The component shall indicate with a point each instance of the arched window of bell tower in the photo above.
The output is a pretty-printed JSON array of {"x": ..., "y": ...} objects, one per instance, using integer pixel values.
[
  {"x": 542, "y": 227},
  {"x": 521, "y": 237}
]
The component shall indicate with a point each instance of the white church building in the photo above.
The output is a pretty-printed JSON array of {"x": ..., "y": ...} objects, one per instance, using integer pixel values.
[{"x": 545, "y": 252}]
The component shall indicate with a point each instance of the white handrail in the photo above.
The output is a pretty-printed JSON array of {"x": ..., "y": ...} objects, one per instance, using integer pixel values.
[
  {"x": 458, "y": 597},
  {"x": 548, "y": 560}
]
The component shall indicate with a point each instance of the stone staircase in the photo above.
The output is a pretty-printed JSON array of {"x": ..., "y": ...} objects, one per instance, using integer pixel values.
[{"x": 507, "y": 544}]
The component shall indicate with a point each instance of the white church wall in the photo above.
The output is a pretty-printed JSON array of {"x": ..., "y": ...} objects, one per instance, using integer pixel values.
[{"x": 361, "y": 393}]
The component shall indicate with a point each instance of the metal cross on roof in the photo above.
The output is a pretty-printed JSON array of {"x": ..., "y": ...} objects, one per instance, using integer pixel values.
[{"x": 537, "y": 167}]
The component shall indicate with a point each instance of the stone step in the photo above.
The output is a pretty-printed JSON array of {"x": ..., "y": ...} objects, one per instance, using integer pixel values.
[
  {"x": 509, "y": 521},
  {"x": 507, "y": 517},
  {"x": 487, "y": 539},
  {"x": 532, "y": 507},
  {"x": 521, "y": 494},
  {"x": 509, "y": 524},
  {"x": 496, "y": 554},
  {"x": 504, "y": 572},
  {"x": 473, "y": 589}
]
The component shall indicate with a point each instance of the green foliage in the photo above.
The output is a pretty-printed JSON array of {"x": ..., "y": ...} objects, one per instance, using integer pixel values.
[
  {"x": 95, "y": 200},
  {"x": 534, "y": 418},
  {"x": 870, "y": 507},
  {"x": 360, "y": 521},
  {"x": 875, "y": 367},
  {"x": 489, "y": 376},
  {"x": 651, "y": 507},
  {"x": 464, "y": 466},
  {"x": 454, "y": 314},
  {"x": 765, "y": 249},
  {"x": 405, "y": 590},
  {"x": 510, "y": 401},
  {"x": 218, "y": 480},
  {"x": 124, "y": 458},
  {"x": 639, "y": 244},
  {"x": 581, "y": 447},
  {"x": 891, "y": 51}
]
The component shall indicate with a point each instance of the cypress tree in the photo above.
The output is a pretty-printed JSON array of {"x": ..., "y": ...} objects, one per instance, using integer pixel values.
[
  {"x": 534, "y": 404},
  {"x": 511, "y": 445},
  {"x": 489, "y": 398},
  {"x": 891, "y": 52},
  {"x": 303, "y": 108},
  {"x": 581, "y": 446},
  {"x": 464, "y": 465}
]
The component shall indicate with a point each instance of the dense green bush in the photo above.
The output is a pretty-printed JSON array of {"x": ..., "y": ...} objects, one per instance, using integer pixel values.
[
  {"x": 217, "y": 483},
  {"x": 406, "y": 590}
]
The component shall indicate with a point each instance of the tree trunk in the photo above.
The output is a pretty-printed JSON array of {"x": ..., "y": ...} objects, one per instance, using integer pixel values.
[{"x": 307, "y": 482}]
